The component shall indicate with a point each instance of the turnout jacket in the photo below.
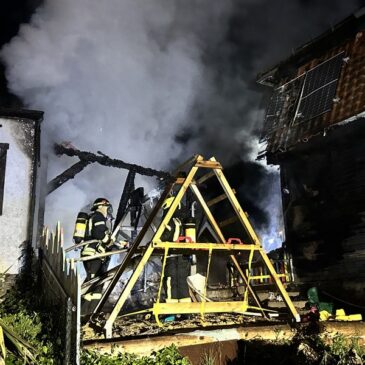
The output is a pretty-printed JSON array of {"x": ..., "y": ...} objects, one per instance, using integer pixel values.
[{"x": 96, "y": 230}]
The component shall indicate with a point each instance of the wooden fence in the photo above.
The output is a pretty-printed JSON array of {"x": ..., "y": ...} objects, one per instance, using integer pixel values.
[{"x": 61, "y": 290}]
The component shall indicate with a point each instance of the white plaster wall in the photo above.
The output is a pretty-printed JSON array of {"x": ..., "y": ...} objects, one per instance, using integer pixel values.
[{"x": 14, "y": 222}]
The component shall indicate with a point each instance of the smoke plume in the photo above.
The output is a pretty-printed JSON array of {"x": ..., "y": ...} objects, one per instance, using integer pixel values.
[{"x": 153, "y": 81}]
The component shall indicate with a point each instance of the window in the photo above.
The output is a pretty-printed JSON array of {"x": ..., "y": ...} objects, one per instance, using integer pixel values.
[{"x": 3, "y": 151}]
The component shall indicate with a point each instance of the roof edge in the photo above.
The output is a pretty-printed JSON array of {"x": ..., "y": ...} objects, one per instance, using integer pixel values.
[
  {"x": 342, "y": 31},
  {"x": 22, "y": 113}
]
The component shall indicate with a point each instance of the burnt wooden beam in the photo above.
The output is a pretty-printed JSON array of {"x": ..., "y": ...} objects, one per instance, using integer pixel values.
[
  {"x": 111, "y": 162},
  {"x": 68, "y": 174},
  {"x": 128, "y": 188}
]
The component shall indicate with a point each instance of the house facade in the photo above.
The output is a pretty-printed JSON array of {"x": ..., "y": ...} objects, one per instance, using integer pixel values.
[
  {"x": 315, "y": 131},
  {"x": 19, "y": 184}
]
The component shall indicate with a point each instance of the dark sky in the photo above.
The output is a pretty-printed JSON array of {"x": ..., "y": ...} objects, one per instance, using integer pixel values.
[
  {"x": 260, "y": 34},
  {"x": 12, "y": 14}
]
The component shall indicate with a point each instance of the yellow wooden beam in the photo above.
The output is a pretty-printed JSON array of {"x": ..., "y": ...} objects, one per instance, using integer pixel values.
[
  {"x": 220, "y": 235},
  {"x": 209, "y": 307},
  {"x": 260, "y": 277},
  {"x": 126, "y": 291},
  {"x": 208, "y": 164},
  {"x": 207, "y": 212},
  {"x": 195, "y": 307},
  {"x": 180, "y": 180},
  {"x": 236, "y": 205},
  {"x": 175, "y": 203},
  {"x": 228, "y": 221},
  {"x": 218, "y": 199},
  {"x": 206, "y": 246},
  {"x": 205, "y": 177}
]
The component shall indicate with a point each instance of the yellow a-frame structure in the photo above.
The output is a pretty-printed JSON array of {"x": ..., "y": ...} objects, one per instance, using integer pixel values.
[{"x": 155, "y": 245}]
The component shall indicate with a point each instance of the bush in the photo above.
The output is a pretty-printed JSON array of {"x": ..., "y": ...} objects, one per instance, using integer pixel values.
[{"x": 167, "y": 356}]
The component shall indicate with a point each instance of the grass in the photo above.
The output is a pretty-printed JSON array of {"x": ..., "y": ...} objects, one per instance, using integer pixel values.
[{"x": 208, "y": 358}]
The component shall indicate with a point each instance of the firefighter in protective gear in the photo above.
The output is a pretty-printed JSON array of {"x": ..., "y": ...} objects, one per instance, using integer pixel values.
[
  {"x": 177, "y": 266},
  {"x": 98, "y": 231}
]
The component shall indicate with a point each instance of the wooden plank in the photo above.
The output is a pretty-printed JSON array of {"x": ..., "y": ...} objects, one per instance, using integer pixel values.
[
  {"x": 196, "y": 307},
  {"x": 52, "y": 241},
  {"x": 228, "y": 221},
  {"x": 206, "y": 246},
  {"x": 205, "y": 177},
  {"x": 74, "y": 285},
  {"x": 61, "y": 263},
  {"x": 57, "y": 238},
  {"x": 180, "y": 180},
  {"x": 58, "y": 255},
  {"x": 218, "y": 199},
  {"x": 47, "y": 237},
  {"x": 126, "y": 291},
  {"x": 208, "y": 164},
  {"x": 62, "y": 241}
]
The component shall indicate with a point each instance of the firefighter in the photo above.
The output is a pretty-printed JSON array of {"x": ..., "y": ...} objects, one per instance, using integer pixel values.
[
  {"x": 177, "y": 266},
  {"x": 97, "y": 230}
]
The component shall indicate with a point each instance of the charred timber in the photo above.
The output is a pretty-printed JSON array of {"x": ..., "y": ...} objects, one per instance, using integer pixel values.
[
  {"x": 68, "y": 174},
  {"x": 111, "y": 162},
  {"x": 128, "y": 188}
]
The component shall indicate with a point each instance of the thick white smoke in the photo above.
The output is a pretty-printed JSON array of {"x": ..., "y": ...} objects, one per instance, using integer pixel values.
[{"x": 116, "y": 76}]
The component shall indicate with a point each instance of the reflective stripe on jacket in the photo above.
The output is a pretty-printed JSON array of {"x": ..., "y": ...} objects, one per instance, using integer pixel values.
[{"x": 96, "y": 230}]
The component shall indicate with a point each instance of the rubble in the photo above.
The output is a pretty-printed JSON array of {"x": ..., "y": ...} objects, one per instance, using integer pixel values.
[{"x": 145, "y": 325}]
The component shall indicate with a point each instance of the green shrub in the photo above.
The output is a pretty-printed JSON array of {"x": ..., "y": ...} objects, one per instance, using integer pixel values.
[{"x": 167, "y": 356}]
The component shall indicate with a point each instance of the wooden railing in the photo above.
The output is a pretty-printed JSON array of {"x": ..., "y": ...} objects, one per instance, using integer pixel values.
[{"x": 259, "y": 274}]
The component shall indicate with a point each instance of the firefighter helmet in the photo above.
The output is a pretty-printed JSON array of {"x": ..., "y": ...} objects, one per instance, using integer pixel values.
[{"x": 100, "y": 202}]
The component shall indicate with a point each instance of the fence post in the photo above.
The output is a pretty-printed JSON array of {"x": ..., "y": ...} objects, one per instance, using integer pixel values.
[{"x": 68, "y": 331}]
